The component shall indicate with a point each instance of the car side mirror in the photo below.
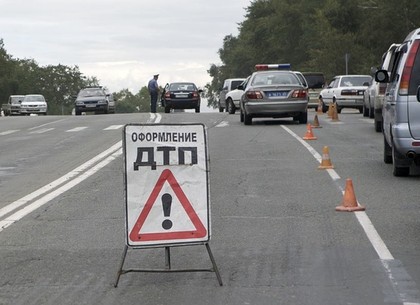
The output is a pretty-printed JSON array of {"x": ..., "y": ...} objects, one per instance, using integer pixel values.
[
  {"x": 418, "y": 94},
  {"x": 382, "y": 76}
]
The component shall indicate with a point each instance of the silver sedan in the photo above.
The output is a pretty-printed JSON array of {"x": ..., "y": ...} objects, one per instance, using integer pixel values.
[{"x": 275, "y": 94}]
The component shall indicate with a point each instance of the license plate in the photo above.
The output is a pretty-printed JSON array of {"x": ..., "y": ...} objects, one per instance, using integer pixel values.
[
  {"x": 181, "y": 95},
  {"x": 277, "y": 94},
  {"x": 90, "y": 105}
]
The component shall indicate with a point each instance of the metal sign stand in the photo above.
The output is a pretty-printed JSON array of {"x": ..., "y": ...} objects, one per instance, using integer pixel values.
[{"x": 168, "y": 267}]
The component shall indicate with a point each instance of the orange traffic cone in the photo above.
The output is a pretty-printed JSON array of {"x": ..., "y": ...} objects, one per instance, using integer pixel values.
[
  {"x": 319, "y": 108},
  {"x": 309, "y": 134},
  {"x": 315, "y": 124},
  {"x": 334, "y": 116},
  {"x": 326, "y": 162},
  {"x": 330, "y": 111},
  {"x": 349, "y": 203}
]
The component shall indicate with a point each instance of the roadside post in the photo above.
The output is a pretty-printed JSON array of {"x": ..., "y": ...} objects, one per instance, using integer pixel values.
[{"x": 167, "y": 197}]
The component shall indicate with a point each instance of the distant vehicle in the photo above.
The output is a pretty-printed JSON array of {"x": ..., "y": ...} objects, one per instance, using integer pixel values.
[
  {"x": 274, "y": 92},
  {"x": 94, "y": 99},
  {"x": 369, "y": 98},
  {"x": 316, "y": 82},
  {"x": 401, "y": 109},
  {"x": 182, "y": 95},
  {"x": 33, "y": 104},
  {"x": 13, "y": 105},
  {"x": 346, "y": 91},
  {"x": 233, "y": 98},
  {"x": 228, "y": 85}
]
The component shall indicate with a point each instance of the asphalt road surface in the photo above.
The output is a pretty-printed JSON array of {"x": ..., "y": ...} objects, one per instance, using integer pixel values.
[{"x": 275, "y": 234}]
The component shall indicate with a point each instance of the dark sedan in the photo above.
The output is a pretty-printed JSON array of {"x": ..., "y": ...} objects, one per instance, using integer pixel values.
[{"x": 181, "y": 96}]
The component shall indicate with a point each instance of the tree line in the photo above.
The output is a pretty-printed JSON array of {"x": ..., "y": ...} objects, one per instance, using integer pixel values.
[{"x": 313, "y": 36}]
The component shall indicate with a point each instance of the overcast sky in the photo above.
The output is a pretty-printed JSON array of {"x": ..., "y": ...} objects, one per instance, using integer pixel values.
[{"x": 123, "y": 43}]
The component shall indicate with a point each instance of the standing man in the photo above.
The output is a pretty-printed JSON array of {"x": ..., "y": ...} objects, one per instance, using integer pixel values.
[{"x": 153, "y": 91}]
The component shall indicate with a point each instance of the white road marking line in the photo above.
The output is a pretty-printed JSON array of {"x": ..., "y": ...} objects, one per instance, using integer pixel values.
[
  {"x": 42, "y": 130},
  {"x": 76, "y": 129},
  {"x": 8, "y": 132},
  {"x": 368, "y": 227},
  {"x": 114, "y": 127},
  {"x": 222, "y": 124},
  {"x": 50, "y": 186}
]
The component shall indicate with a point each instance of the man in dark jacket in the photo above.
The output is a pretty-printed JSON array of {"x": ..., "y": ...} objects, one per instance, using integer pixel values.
[{"x": 153, "y": 91}]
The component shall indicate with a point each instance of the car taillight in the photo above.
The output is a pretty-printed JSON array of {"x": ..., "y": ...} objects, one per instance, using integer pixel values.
[
  {"x": 254, "y": 95},
  {"x": 195, "y": 94},
  {"x": 349, "y": 92},
  {"x": 299, "y": 93},
  {"x": 167, "y": 94},
  {"x": 405, "y": 77}
]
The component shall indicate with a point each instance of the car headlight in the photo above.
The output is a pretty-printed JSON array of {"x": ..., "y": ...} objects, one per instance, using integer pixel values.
[{"x": 102, "y": 102}]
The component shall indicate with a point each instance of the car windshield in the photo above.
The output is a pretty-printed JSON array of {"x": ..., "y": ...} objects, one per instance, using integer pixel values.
[
  {"x": 350, "y": 81},
  {"x": 315, "y": 81},
  {"x": 34, "y": 98},
  {"x": 182, "y": 87},
  {"x": 16, "y": 99},
  {"x": 262, "y": 79},
  {"x": 91, "y": 92}
]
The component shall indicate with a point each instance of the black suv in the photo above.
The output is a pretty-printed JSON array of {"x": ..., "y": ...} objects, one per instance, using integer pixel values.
[{"x": 94, "y": 99}]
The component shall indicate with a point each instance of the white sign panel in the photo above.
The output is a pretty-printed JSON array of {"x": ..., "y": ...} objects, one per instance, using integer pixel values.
[{"x": 166, "y": 184}]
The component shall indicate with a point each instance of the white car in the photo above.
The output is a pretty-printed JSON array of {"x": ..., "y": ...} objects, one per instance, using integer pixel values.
[
  {"x": 347, "y": 91},
  {"x": 33, "y": 103},
  {"x": 233, "y": 98}
]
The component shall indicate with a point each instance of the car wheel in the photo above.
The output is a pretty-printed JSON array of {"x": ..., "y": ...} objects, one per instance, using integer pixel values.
[
  {"x": 365, "y": 111},
  {"x": 247, "y": 119},
  {"x": 221, "y": 109},
  {"x": 339, "y": 109},
  {"x": 302, "y": 118},
  {"x": 230, "y": 106},
  {"x": 324, "y": 106},
  {"x": 78, "y": 112},
  {"x": 371, "y": 113},
  {"x": 387, "y": 152},
  {"x": 398, "y": 171},
  {"x": 167, "y": 109},
  {"x": 197, "y": 109},
  {"x": 378, "y": 126}
]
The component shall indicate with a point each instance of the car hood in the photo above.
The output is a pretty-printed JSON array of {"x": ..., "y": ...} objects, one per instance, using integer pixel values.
[{"x": 33, "y": 103}]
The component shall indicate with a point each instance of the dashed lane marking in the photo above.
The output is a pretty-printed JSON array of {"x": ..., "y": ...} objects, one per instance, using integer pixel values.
[{"x": 76, "y": 129}]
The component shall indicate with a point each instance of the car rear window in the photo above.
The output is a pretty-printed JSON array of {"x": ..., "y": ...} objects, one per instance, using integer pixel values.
[
  {"x": 236, "y": 83},
  {"x": 415, "y": 75},
  {"x": 315, "y": 80},
  {"x": 273, "y": 78},
  {"x": 350, "y": 81}
]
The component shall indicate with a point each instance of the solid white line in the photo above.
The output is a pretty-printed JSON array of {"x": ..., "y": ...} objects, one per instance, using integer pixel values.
[
  {"x": 114, "y": 127},
  {"x": 373, "y": 236},
  {"x": 46, "y": 188},
  {"x": 43, "y": 200},
  {"x": 8, "y": 132}
]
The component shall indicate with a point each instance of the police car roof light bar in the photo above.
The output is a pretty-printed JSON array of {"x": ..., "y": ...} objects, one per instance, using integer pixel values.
[{"x": 262, "y": 67}]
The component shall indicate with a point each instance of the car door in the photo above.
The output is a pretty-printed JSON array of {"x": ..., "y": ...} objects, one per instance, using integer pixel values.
[{"x": 328, "y": 93}]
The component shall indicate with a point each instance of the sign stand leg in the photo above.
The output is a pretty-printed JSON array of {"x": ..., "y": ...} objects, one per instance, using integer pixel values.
[
  {"x": 120, "y": 271},
  {"x": 168, "y": 267},
  {"x": 215, "y": 269},
  {"x": 168, "y": 258}
]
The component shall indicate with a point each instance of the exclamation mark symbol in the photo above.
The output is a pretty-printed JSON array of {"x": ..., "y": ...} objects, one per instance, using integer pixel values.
[{"x": 166, "y": 204}]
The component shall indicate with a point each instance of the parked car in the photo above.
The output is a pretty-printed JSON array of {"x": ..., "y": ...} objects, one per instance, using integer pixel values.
[
  {"x": 346, "y": 91},
  {"x": 233, "y": 98},
  {"x": 182, "y": 95},
  {"x": 13, "y": 105},
  {"x": 33, "y": 104},
  {"x": 228, "y": 85},
  {"x": 274, "y": 92},
  {"x": 94, "y": 99},
  {"x": 369, "y": 97},
  {"x": 401, "y": 109},
  {"x": 387, "y": 60},
  {"x": 316, "y": 82}
]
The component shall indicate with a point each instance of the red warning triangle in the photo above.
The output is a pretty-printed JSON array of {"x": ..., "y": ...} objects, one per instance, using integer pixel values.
[{"x": 199, "y": 232}]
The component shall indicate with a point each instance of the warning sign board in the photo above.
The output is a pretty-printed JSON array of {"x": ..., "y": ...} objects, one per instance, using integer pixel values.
[{"x": 166, "y": 184}]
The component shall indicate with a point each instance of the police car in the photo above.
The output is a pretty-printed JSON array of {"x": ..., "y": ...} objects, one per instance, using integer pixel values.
[{"x": 273, "y": 91}]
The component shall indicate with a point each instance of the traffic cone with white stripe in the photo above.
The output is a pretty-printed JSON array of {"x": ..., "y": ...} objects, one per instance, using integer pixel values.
[
  {"x": 319, "y": 108},
  {"x": 349, "y": 203},
  {"x": 326, "y": 162},
  {"x": 309, "y": 134},
  {"x": 334, "y": 116}
]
